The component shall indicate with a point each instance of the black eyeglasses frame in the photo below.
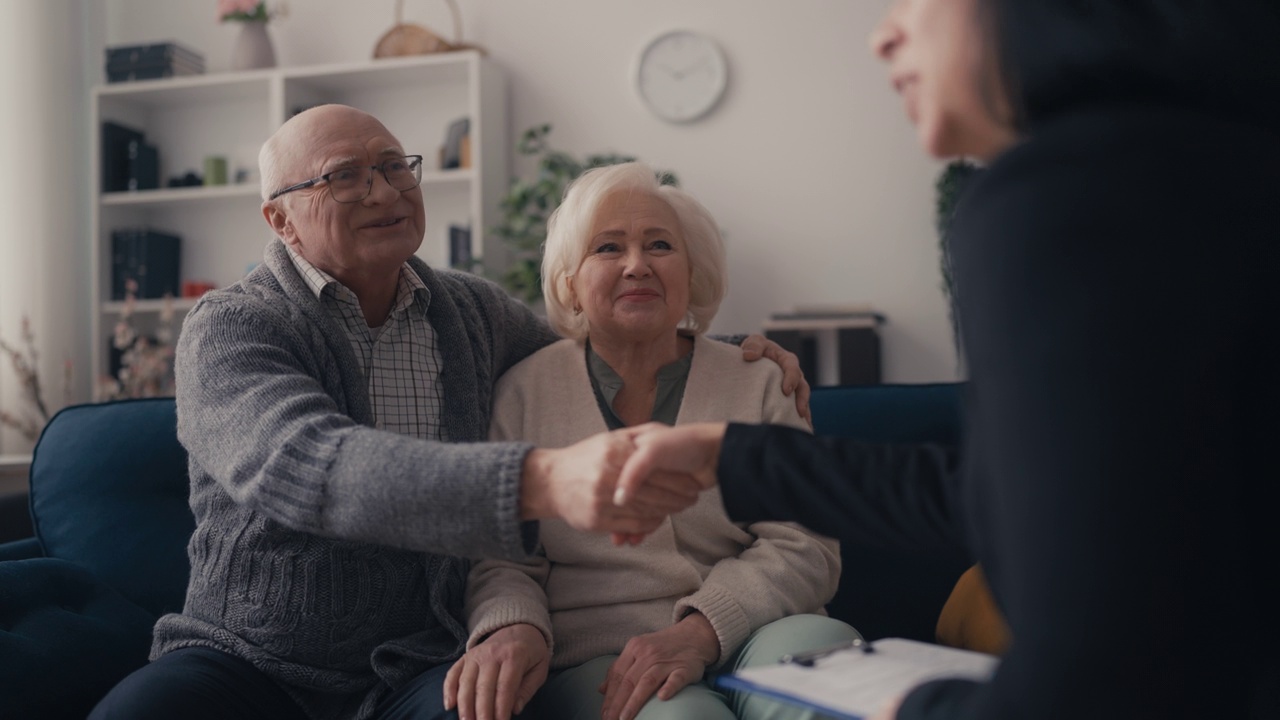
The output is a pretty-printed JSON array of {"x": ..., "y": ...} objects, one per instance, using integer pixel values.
[{"x": 415, "y": 163}]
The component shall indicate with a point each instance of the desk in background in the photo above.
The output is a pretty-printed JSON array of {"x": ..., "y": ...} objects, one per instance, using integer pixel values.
[{"x": 835, "y": 348}]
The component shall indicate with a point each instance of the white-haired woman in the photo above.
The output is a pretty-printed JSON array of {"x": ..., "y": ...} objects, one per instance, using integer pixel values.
[{"x": 633, "y": 274}]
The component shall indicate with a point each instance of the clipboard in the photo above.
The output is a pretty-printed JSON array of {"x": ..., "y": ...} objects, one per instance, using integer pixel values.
[{"x": 854, "y": 681}]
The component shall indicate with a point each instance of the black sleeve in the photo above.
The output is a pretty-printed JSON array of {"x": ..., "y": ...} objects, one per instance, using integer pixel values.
[{"x": 860, "y": 493}]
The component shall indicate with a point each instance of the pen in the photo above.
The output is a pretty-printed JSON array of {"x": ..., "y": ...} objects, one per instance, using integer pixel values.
[{"x": 809, "y": 657}]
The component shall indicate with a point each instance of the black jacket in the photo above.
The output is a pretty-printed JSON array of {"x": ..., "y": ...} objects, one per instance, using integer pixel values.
[{"x": 1116, "y": 277}]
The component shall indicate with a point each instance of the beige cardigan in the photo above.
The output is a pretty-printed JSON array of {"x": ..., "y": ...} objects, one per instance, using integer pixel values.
[{"x": 591, "y": 597}]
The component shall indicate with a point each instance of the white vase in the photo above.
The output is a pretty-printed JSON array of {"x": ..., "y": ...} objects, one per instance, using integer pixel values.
[{"x": 253, "y": 48}]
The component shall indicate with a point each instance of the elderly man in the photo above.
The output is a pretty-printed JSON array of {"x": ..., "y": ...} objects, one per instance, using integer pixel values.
[{"x": 329, "y": 403}]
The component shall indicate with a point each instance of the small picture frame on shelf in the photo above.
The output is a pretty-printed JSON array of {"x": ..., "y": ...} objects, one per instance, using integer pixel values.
[{"x": 456, "y": 147}]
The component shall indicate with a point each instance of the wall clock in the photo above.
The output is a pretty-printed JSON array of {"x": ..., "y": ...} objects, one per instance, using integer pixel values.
[{"x": 681, "y": 75}]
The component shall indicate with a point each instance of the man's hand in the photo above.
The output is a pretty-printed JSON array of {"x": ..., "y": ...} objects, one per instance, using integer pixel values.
[
  {"x": 793, "y": 380},
  {"x": 663, "y": 661},
  {"x": 499, "y": 676},
  {"x": 662, "y": 453},
  {"x": 578, "y": 484}
]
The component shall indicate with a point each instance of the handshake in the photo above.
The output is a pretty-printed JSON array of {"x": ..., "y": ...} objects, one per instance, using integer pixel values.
[{"x": 624, "y": 482}]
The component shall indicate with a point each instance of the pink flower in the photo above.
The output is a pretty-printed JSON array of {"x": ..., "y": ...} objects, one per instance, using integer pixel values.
[
  {"x": 242, "y": 10},
  {"x": 226, "y": 7}
]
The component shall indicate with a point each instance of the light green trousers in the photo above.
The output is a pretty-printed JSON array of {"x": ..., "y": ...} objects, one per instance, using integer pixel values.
[{"x": 570, "y": 694}]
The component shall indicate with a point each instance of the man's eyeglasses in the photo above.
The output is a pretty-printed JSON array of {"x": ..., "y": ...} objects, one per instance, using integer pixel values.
[{"x": 353, "y": 184}]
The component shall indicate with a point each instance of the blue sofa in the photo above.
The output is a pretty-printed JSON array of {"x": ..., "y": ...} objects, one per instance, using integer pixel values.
[{"x": 108, "y": 502}]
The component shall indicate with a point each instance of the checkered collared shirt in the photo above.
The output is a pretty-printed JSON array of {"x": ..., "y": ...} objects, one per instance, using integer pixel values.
[{"x": 400, "y": 361}]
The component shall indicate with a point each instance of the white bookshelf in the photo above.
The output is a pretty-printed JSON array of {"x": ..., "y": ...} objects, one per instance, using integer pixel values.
[{"x": 232, "y": 114}]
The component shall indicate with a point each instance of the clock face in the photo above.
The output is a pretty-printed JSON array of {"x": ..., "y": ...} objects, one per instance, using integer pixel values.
[{"x": 682, "y": 75}]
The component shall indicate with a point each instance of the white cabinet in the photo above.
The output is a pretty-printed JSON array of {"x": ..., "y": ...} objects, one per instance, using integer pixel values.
[{"x": 232, "y": 114}]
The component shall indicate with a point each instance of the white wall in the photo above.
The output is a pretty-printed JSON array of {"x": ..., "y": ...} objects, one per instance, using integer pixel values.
[
  {"x": 808, "y": 163},
  {"x": 43, "y": 198}
]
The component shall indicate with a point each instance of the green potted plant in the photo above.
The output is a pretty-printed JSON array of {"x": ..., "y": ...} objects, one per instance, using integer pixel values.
[
  {"x": 529, "y": 202},
  {"x": 949, "y": 188}
]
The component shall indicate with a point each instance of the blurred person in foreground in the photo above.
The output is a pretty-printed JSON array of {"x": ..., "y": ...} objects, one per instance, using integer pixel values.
[{"x": 1115, "y": 270}]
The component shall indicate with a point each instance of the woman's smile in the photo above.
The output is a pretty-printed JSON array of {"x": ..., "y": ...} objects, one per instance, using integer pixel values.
[{"x": 640, "y": 295}]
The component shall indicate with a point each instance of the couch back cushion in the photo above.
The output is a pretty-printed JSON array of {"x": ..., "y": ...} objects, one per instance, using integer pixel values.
[
  {"x": 885, "y": 592},
  {"x": 920, "y": 413},
  {"x": 109, "y": 491}
]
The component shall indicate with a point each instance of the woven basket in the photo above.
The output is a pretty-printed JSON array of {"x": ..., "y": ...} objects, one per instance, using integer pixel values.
[{"x": 408, "y": 39}]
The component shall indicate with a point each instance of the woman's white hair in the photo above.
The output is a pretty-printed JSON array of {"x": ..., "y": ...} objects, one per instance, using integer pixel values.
[{"x": 569, "y": 235}]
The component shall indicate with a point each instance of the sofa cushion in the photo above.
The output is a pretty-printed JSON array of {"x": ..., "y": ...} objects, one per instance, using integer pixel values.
[
  {"x": 20, "y": 549},
  {"x": 109, "y": 491},
  {"x": 885, "y": 592},
  {"x": 15, "y": 519},
  {"x": 65, "y": 639}
]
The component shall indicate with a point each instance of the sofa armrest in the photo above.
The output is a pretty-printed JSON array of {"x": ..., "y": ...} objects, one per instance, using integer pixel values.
[{"x": 23, "y": 549}]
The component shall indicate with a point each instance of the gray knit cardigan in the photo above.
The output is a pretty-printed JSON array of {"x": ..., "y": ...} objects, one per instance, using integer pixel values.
[{"x": 328, "y": 553}]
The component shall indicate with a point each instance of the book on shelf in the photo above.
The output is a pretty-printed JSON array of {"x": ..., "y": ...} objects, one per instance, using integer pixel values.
[
  {"x": 460, "y": 247},
  {"x": 147, "y": 62},
  {"x": 149, "y": 72},
  {"x": 116, "y": 139},
  {"x": 150, "y": 258},
  {"x": 144, "y": 166},
  {"x": 129, "y": 162},
  {"x": 152, "y": 54}
]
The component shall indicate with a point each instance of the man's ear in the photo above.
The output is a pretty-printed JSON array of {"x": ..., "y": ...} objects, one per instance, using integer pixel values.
[{"x": 280, "y": 224}]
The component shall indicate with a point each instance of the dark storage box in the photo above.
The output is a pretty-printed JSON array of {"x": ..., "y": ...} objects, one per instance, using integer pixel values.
[
  {"x": 148, "y": 62},
  {"x": 150, "y": 258}
]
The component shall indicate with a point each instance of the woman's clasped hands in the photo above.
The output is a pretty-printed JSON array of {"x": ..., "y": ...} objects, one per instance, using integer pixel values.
[{"x": 499, "y": 676}]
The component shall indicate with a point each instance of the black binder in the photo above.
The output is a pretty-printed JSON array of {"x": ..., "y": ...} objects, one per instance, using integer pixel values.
[
  {"x": 151, "y": 259},
  {"x": 460, "y": 247},
  {"x": 115, "y": 155},
  {"x": 144, "y": 166}
]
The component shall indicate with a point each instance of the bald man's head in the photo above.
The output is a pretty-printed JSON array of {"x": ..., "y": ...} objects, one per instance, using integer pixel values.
[
  {"x": 354, "y": 237},
  {"x": 284, "y": 157}
]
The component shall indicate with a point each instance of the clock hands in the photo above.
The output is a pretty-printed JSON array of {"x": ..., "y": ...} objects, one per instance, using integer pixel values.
[
  {"x": 683, "y": 72},
  {"x": 688, "y": 70}
]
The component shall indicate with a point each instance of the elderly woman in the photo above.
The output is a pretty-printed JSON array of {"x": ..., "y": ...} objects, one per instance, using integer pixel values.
[{"x": 633, "y": 275}]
